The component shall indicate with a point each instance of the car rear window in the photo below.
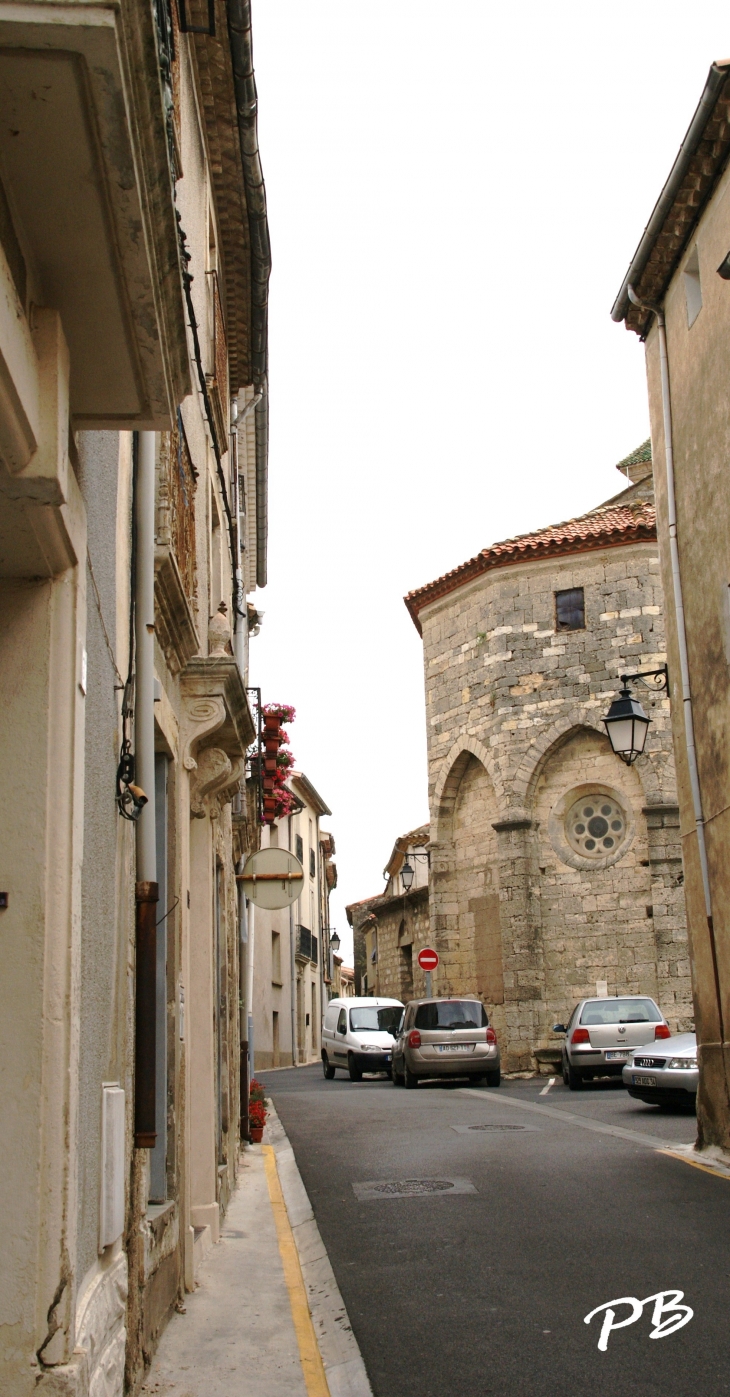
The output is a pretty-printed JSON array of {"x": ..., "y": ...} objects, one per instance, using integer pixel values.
[
  {"x": 451, "y": 1013},
  {"x": 610, "y": 1011},
  {"x": 370, "y": 1019}
]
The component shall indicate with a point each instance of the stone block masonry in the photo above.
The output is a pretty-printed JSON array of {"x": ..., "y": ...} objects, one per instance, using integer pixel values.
[{"x": 527, "y": 908}]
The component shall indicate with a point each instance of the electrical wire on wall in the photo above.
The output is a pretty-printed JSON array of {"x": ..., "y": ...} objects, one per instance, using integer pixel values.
[
  {"x": 129, "y": 797},
  {"x": 188, "y": 279}
]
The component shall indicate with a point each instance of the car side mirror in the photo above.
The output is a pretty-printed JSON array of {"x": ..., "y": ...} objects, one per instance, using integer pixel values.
[{"x": 559, "y": 1028}]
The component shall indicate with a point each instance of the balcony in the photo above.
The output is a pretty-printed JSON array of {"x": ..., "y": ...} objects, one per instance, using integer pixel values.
[
  {"x": 176, "y": 582},
  {"x": 306, "y": 946},
  {"x": 218, "y": 380}
]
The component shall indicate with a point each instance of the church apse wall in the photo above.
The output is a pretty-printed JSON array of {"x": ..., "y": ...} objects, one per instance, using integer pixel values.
[{"x": 556, "y": 870}]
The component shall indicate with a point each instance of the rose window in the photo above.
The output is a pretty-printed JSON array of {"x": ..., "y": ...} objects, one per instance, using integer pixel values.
[{"x": 595, "y": 826}]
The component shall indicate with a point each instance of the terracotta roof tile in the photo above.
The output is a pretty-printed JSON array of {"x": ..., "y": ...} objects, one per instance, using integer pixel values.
[{"x": 608, "y": 526}]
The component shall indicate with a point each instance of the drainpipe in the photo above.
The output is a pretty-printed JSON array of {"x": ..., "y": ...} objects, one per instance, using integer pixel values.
[
  {"x": 293, "y": 971},
  {"x": 249, "y": 986},
  {"x": 146, "y": 889},
  {"x": 242, "y": 1005},
  {"x": 689, "y": 732},
  {"x": 240, "y": 617}
]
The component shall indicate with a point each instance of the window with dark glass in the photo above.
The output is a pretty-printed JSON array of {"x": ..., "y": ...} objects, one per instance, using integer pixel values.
[
  {"x": 299, "y": 847},
  {"x": 570, "y": 613},
  {"x": 312, "y": 864}
]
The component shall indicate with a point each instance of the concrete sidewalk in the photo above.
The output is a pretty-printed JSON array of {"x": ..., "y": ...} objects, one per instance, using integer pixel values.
[{"x": 267, "y": 1318}]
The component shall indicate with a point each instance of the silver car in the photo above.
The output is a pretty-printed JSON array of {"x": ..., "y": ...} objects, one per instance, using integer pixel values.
[
  {"x": 665, "y": 1074},
  {"x": 445, "y": 1038},
  {"x": 600, "y": 1034}
]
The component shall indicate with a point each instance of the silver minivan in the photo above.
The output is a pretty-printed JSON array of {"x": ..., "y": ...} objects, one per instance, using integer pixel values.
[
  {"x": 446, "y": 1038},
  {"x": 358, "y": 1035},
  {"x": 600, "y": 1034}
]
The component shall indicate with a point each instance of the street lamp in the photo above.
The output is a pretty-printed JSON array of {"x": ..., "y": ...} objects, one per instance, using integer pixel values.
[
  {"x": 626, "y": 722},
  {"x": 334, "y": 942},
  {"x": 406, "y": 874}
]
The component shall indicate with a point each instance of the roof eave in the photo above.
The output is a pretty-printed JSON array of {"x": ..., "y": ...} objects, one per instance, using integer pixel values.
[
  {"x": 417, "y": 601},
  {"x": 715, "y": 81}
]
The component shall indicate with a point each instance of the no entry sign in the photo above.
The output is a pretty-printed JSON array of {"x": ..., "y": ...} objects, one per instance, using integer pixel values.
[{"x": 428, "y": 959}]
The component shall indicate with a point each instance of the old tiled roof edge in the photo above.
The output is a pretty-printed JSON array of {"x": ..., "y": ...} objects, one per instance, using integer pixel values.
[
  {"x": 698, "y": 166},
  {"x": 634, "y": 458},
  {"x": 605, "y": 527}
]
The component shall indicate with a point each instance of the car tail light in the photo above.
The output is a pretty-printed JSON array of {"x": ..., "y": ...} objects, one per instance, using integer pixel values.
[
  {"x": 580, "y": 1035},
  {"x": 414, "y": 1038},
  {"x": 491, "y": 1036},
  {"x": 662, "y": 1030}
]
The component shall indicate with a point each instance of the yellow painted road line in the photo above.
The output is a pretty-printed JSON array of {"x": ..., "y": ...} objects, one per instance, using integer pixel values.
[
  {"x": 310, "y": 1356},
  {"x": 706, "y": 1168}
]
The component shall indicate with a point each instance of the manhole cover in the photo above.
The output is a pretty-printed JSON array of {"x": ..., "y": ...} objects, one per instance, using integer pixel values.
[
  {"x": 411, "y": 1188},
  {"x": 494, "y": 1129},
  {"x": 498, "y": 1127}
]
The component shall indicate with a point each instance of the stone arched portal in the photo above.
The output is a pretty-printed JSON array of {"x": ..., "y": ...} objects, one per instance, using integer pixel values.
[
  {"x": 465, "y": 886},
  {"x": 528, "y": 916}
]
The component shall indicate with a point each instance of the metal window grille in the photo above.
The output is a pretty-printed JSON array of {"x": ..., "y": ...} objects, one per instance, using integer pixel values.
[{"x": 570, "y": 612}]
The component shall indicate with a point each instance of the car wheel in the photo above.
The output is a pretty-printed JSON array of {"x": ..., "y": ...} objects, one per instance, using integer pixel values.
[
  {"x": 329, "y": 1071},
  {"x": 494, "y": 1078},
  {"x": 575, "y": 1079},
  {"x": 355, "y": 1073},
  {"x": 565, "y": 1075},
  {"x": 411, "y": 1081}
]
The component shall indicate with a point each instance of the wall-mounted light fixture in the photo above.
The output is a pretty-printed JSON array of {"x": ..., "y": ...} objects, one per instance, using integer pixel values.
[{"x": 626, "y": 722}]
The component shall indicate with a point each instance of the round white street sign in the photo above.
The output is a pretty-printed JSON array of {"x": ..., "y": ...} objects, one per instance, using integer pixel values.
[{"x": 272, "y": 878}]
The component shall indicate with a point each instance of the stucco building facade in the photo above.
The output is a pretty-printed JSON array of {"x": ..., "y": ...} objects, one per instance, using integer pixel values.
[
  {"x": 290, "y": 947},
  {"x": 555, "y": 870},
  {"x": 679, "y": 281},
  {"x": 133, "y": 273}
]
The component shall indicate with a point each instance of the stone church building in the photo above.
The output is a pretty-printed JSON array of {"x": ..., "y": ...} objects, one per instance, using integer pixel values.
[{"x": 555, "y": 869}]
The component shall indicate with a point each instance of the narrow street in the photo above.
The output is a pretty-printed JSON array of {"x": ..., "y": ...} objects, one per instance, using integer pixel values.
[{"x": 485, "y": 1291}]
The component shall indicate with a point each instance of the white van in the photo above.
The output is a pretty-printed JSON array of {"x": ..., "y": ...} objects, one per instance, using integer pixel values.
[{"x": 358, "y": 1035}]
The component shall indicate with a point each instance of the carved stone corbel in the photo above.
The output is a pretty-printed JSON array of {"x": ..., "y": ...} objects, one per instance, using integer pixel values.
[
  {"x": 203, "y": 716},
  {"x": 212, "y": 774}
]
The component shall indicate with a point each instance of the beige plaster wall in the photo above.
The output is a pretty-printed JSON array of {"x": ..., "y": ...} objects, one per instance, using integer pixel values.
[{"x": 699, "y": 361}]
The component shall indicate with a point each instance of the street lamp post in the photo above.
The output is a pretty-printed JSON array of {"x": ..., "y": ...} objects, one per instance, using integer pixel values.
[{"x": 626, "y": 722}]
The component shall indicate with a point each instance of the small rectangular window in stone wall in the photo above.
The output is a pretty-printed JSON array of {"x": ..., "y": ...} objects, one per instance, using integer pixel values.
[{"x": 570, "y": 612}]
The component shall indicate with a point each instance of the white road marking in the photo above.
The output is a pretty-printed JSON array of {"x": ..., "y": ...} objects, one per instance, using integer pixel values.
[
  {"x": 499, "y": 1098},
  {"x": 550, "y": 1084},
  {"x": 679, "y": 1315}
]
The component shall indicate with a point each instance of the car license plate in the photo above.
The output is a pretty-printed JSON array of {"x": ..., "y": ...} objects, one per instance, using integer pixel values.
[
  {"x": 455, "y": 1047},
  {"x": 388, "y": 1057},
  {"x": 643, "y": 1081},
  {"x": 617, "y": 1057}
]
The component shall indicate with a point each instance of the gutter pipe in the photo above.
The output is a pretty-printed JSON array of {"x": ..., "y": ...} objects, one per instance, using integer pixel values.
[
  {"x": 242, "y": 1006},
  {"x": 293, "y": 971},
  {"x": 249, "y": 988},
  {"x": 689, "y": 734},
  {"x": 687, "y": 150},
  {"x": 146, "y": 887}
]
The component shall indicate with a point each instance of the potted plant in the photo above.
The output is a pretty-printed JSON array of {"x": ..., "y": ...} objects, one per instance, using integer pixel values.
[
  {"x": 256, "y": 1121},
  {"x": 256, "y": 1111}
]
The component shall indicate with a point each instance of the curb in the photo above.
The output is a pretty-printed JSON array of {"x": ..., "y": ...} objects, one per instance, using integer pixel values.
[{"x": 343, "y": 1364}]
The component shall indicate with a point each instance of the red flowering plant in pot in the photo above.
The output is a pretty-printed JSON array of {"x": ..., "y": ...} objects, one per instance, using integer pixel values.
[
  {"x": 277, "y": 762},
  {"x": 256, "y": 1111}
]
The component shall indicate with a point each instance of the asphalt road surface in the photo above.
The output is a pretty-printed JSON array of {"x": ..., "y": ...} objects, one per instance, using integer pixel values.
[{"x": 483, "y": 1287}]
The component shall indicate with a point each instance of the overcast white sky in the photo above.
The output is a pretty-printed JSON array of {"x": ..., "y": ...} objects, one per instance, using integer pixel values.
[{"x": 455, "y": 192}]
